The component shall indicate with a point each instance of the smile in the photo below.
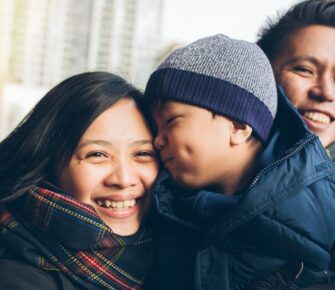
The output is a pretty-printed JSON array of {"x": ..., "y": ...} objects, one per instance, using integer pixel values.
[
  {"x": 167, "y": 160},
  {"x": 125, "y": 204},
  {"x": 317, "y": 117}
]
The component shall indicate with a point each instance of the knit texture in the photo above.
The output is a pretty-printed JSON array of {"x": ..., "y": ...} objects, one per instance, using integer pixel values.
[
  {"x": 230, "y": 77},
  {"x": 55, "y": 232}
]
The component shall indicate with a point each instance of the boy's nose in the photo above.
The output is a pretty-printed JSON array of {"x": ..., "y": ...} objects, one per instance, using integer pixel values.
[{"x": 160, "y": 141}]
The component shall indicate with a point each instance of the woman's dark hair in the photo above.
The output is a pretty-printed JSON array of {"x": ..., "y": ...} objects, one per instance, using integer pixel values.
[
  {"x": 306, "y": 13},
  {"x": 47, "y": 137}
]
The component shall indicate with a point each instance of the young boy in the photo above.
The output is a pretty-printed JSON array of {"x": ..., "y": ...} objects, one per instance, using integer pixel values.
[{"x": 250, "y": 198}]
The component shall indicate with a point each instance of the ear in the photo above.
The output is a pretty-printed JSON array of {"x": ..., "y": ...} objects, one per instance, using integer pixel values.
[{"x": 239, "y": 133}]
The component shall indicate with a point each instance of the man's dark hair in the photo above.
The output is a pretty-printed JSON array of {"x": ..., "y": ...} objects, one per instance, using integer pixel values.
[{"x": 311, "y": 12}]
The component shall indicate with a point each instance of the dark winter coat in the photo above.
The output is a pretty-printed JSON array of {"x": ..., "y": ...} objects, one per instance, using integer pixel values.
[
  {"x": 283, "y": 223},
  {"x": 49, "y": 240},
  {"x": 16, "y": 275}
]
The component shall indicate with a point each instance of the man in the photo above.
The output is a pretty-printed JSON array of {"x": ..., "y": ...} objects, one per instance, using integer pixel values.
[{"x": 301, "y": 48}]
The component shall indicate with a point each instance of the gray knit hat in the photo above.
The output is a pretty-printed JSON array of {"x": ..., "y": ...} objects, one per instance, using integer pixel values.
[{"x": 230, "y": 77}]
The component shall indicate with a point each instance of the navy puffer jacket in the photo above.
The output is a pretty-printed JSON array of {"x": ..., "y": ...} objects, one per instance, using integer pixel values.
[{"x": 286, "y": 216}]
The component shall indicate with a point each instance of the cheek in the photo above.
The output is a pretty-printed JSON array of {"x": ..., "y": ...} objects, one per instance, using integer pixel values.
[
  {"x": 183, "y": 151},
  {"x": 79, "y": 182},
  {"x": 183, "y": 142},
  {"x": 295, "y": 88},
  {"x": 148, "y": 176}
]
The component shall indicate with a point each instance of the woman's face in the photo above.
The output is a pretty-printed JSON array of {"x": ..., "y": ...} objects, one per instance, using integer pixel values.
[{"x": 114, "y": 167}]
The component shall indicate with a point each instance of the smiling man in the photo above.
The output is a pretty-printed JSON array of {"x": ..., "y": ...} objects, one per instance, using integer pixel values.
[{"x": 301, "y": 48}]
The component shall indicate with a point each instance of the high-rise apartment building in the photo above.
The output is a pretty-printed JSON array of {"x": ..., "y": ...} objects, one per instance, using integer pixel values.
[
  {"x": 43, "y": 42},
  {"x": 52, "y": 39},
  {"x": 125, "y": 37}
]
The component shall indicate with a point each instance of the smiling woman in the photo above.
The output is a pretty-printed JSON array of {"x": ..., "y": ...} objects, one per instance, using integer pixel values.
[
  {"x": 113, "y": 167},
  {"x": 75, "y": 177}
]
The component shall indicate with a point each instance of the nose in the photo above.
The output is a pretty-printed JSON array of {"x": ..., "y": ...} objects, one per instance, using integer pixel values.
[
  {"x": 325, "y": 89},
  {"x": 160, "y": 141},
  {"x": 123, "y": 175}
]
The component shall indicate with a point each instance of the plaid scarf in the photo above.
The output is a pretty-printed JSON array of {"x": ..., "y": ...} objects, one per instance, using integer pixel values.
[{"x": 53, "y": 231}]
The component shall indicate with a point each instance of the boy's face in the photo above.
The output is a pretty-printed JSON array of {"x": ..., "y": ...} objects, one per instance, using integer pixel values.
[
  {"x": 194, "y": 145},
  {"x": 305, "y": 68}
]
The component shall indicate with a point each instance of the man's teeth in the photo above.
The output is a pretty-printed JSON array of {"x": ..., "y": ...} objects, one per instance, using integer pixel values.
[
  {"x": 317, "y": 117},
  {"x": 116, "y": 204}
]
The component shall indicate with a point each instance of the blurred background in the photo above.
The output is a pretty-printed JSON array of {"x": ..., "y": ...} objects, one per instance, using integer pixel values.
[{"x": 44, "y": 41}]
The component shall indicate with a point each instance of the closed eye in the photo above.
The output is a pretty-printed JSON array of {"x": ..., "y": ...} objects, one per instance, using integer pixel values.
[{"x": 169, "y": 120}]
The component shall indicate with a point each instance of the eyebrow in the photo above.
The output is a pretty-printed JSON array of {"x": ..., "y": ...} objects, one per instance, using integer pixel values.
[
  {"x": 143, "y": 142},
  {"x": 304, "y": 58},
  {"x": 109, "y": 144}
]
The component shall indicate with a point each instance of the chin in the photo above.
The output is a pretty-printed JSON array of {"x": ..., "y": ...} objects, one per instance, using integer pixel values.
[
  {"x": 186, "y": 184},
  {"x": 124, "y": 227},
  {"x": 125, "y": 231}
]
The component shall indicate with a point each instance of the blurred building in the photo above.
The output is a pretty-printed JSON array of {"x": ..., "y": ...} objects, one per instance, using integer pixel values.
[{"x": 43, "y": 42}]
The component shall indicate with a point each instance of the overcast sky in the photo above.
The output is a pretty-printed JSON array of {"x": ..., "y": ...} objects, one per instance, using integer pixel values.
[{"x": 188, "y": 20}]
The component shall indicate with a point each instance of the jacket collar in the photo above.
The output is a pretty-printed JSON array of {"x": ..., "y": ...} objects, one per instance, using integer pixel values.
[
  {"x": 291, "y": 147},
  {"x": 287, "y": 147}
]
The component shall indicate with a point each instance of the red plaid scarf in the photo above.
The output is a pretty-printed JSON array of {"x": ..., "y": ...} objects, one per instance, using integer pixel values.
[{"x": 69, "y": 236}]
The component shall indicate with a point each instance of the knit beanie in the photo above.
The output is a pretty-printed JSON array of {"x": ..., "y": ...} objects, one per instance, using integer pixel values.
[{"x": 229, "y": 77}]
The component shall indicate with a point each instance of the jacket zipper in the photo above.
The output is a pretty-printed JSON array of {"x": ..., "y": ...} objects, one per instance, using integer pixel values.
[
  {"x": 279, "y": 161},
  {"x": 267, "y": 168}
]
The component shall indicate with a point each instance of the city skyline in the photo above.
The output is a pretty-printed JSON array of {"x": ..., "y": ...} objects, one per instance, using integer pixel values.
[
  {"x": 43, "y": 42},
  {"x": 47, "y": 41}
]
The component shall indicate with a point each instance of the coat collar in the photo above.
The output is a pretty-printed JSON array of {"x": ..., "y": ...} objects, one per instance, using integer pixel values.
[{"x": 290, "y": 146}]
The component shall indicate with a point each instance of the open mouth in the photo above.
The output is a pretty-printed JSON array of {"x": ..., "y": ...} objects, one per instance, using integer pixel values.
[
  {"x": 124, "y": 204},
  {"x": 317, "y": 117}
]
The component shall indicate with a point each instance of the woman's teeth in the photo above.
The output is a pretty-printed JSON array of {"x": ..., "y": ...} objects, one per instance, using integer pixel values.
[
  {"x": 317, "y": 117},
  {"x": 125, "y": 204}
]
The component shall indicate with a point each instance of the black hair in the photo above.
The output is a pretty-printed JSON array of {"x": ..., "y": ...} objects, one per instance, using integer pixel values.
[
  {"x": 311, "y": 12},
  {"x": 48, "y": 136}
]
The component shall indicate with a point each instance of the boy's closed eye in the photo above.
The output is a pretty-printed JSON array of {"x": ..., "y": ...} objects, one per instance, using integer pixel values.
[{"x": 171, "y": 119}]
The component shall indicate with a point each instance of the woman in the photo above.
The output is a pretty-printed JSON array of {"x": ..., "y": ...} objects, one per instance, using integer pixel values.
[{"x": 74, "y": 183}]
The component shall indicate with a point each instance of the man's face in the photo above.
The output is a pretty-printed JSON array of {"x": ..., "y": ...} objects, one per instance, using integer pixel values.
[{"x": 305, "y": 68}]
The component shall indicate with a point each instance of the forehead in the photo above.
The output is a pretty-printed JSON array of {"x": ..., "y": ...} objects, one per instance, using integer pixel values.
[
  {"x": 162, "y": 107},
  {"x": 317, "y": 41},
  {"x": 121, "y": 120}
]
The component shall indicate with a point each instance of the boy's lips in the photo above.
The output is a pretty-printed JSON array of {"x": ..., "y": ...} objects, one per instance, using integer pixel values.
[{"x": 167, "y": 160}]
